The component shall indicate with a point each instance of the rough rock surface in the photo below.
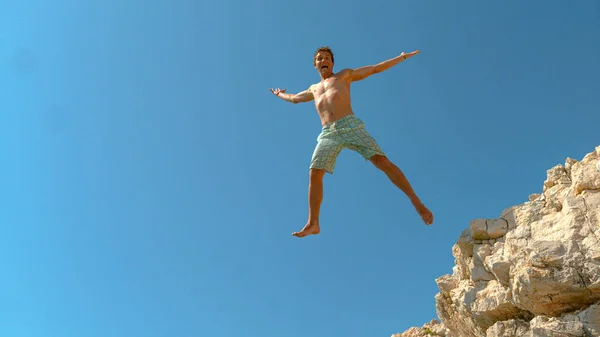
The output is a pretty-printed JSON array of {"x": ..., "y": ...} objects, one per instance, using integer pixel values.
[
  {"x": 534, "y": 270},
  {"x": 433, "y": 328}
]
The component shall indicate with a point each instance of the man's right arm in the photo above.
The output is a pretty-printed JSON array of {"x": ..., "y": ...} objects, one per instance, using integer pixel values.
[{"x": 301, "y": 97}]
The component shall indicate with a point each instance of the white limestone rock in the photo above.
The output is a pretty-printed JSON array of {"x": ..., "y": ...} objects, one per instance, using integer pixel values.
[
  {"x": 533, "y": 271},
  {"x": 509, "y": 328},
  {"x": 431, "y": 329}
]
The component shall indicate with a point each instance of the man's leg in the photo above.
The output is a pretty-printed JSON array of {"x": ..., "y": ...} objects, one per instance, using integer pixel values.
[
  {"x": 315, "y": 197},
  {"x": 323, "y": 160},
  {"x": 397, "y": 177},
  {"x": 360, "y": 140}
]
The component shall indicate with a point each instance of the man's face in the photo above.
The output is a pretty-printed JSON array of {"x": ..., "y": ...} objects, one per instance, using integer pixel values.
[{"x": 323, "y": 63}]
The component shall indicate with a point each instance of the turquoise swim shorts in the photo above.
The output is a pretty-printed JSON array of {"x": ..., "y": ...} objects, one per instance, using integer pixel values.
[{"x": 347, "y": 132}]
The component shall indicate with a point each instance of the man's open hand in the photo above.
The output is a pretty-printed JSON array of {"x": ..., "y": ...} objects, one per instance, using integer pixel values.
[
  {"x": 277, "y": 91},
  {"x": 409, "y": 55}
]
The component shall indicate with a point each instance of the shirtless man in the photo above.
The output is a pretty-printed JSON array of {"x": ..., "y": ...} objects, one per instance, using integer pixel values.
[{"x": 342, "y": 129}]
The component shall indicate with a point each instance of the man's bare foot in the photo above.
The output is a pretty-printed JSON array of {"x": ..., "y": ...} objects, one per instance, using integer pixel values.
[
  {"x": 424, "y": 212},
  {"x": 310, "y": 228}
]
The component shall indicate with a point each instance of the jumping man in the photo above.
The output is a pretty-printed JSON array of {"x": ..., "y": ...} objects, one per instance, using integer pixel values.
[{"x": 342, "y": 129}]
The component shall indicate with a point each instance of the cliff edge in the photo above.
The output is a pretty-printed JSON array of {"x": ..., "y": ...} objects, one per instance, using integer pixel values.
[{"x": 533, "y": 271}]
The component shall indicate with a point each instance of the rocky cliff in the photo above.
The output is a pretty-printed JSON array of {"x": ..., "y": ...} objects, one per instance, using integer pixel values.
[{"x": 533, "y": 271}]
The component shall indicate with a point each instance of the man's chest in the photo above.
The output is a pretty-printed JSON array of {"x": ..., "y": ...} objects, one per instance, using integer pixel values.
[{"x": 330, "y": 87}]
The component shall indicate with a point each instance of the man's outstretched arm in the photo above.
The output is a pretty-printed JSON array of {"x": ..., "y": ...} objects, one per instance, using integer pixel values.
[
  {"x": 364, "y": 72},
  {"x": 301, "y": 97}
]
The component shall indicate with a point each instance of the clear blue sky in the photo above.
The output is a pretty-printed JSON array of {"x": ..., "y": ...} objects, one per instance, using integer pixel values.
[{"x": 151, "y": 182}]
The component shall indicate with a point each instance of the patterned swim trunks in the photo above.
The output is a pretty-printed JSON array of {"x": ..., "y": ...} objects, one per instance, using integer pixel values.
[{"x": 347, "y": 132}]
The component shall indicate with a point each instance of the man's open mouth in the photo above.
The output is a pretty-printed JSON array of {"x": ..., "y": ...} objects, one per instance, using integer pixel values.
[{"x": 324, "y": 67}]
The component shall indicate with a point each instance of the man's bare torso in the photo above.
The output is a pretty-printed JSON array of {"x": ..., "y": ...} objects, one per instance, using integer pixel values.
[{"x": 332, "y": 97}]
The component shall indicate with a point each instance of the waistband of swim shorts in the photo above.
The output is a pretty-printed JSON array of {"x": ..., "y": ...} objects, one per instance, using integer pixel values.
[{"x": 341, "y": 120}]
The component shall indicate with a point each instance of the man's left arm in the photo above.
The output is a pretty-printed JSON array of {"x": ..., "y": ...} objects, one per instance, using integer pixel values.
[{"x": 364, "y": 72}]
